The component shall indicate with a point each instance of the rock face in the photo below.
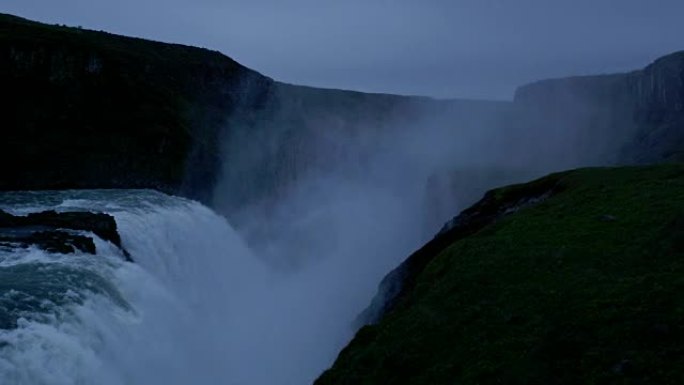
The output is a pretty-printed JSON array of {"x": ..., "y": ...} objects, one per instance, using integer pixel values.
[
  {"x": 558, "y": 124},
  {"x": 660, "y": 111},
  {"x": 300, "y": 131},
  {"x": 86, "y": 109},
  {"x": 50, "y": 230},
  {"x": 637, "y": 117}
]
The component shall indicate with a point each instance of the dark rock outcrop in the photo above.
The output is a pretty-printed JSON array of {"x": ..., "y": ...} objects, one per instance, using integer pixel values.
[
  {"x": 57, "y": 232},
  {"x": 53, "y": 241}
]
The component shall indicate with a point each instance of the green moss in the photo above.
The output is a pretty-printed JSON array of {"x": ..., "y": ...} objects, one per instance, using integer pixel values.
[{"x": 583, "y": 288}]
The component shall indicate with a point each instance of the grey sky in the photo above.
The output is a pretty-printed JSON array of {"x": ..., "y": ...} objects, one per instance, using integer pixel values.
[{"x": 457, "y": 48}]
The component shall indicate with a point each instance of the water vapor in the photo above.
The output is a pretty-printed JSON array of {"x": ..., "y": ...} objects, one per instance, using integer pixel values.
[{"x": 333, "y": 189}]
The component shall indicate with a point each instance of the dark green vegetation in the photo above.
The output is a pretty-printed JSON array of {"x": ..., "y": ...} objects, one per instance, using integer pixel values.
[{"x": 583, "y": 286}]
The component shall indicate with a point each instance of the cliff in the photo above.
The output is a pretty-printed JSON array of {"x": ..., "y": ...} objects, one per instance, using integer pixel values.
[
  {"x": 303, "y": 132},
  {"x": 86, "y": 109},
  {"x": 570, "y": 279},
  {"x": 637, "y": 117},
  {"x": 558, "y": 124}
]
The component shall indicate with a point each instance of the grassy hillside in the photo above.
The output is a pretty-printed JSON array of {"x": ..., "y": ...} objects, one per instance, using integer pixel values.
[{"x": 584, "y": 287}]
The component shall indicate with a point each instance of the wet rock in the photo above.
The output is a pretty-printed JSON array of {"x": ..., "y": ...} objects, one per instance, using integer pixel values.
[
  {"x": 52, "y": 241},
  {"x": 55, "y": 232},
  {"x": 102, "y": 225}
]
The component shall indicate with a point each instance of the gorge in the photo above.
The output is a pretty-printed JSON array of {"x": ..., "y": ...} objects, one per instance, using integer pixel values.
[{"x": 280, "y": 208}]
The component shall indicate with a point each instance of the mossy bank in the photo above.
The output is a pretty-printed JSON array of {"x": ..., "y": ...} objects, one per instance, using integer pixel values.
[{"x": 581, "y": 287}]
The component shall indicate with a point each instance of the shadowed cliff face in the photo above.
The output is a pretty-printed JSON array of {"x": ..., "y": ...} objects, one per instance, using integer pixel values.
[
  {"x": 84, "y": 109},
  {"x": 597, "y": 110},
  {"x": 88, "y": 109},
  {"x": 636, "y": 117},
  {"x": 301, "y": 136},
  {"x": 660, "y": 111}
]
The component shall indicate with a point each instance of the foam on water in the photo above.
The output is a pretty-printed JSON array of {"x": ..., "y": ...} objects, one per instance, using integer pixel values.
[
  {"x": 196, "y": 307},
  {"x": 100, "y": 320}
]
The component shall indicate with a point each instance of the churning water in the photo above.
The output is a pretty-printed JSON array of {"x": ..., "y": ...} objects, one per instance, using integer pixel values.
[
  {"x": 196, "y": 307},
  {"x": 165, "y": 319}
]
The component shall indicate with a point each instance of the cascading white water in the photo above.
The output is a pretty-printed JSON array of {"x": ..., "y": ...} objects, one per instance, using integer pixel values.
[
  {"x": 200, "y": 307},
  {"x": 166, "y": 319},
  {"x": 196, "y": 306}
]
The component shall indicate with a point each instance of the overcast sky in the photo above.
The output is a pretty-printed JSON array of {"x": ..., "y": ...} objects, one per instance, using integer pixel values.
[{"x": 442, "y": 48}]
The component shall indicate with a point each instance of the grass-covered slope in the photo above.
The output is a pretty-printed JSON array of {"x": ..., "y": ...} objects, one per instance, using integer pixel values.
[{"x": 584, "y": 287}]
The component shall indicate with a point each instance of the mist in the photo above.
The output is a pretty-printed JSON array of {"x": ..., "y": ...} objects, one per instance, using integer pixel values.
[{"x": 332, "y": 193}]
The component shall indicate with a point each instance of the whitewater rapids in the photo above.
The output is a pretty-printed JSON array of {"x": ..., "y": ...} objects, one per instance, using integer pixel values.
[{"x": 196, "y": 307}]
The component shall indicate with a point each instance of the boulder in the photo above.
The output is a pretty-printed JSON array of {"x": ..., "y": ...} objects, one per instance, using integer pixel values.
[{"x": 58, "y": 231}]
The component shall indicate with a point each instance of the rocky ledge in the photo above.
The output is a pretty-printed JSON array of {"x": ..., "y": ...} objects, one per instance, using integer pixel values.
[{"x": 59, "y": 232}]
